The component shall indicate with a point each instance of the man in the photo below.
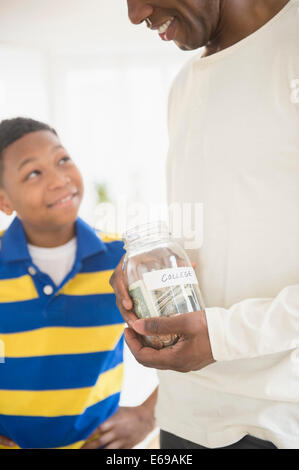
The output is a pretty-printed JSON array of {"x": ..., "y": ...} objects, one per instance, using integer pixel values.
[{"x": 234, "y": 146}]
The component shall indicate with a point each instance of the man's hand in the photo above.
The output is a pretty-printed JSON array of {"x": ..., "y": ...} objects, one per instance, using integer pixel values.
[
  {"x": 4, "y": 441},
  {"x": 126, "y": 428},
  {"x": 191, "y": 352},
  {"x": 123, "y": 300}
]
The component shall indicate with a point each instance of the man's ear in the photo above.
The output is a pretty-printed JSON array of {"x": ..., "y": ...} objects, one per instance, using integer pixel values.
[{"x": 4, "y": 203}]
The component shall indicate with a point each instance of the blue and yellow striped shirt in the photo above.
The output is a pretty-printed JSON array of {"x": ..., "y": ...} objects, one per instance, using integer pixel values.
[{"x": 62, "y": 346}]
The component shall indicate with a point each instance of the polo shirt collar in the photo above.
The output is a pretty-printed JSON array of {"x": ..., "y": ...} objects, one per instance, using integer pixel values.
[
  {"x": 88, "y": 241},
  {"x": 14, "y": 243}
]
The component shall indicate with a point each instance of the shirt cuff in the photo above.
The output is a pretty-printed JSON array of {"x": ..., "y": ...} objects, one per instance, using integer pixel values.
[{"x": 216, "y": 328}]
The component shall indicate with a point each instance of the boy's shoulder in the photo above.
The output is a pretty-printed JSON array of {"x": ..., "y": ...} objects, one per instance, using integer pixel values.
[
  {"x": 114, "y": 249},
  {"x": 107, "y": 237},
  {"x": 2, "y": 232}
]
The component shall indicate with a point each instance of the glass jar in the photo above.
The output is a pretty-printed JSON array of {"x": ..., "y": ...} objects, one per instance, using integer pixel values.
[{"x": 160, "y": 276}]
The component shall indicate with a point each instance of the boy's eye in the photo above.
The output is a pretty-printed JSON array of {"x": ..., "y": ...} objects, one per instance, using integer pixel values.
[
  {"x": 33, "y": 174},
  {"x": 63, "y": 160}
]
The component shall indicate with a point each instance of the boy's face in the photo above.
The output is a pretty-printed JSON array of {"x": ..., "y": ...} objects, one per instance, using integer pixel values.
[{"x": 40, "y": 182}]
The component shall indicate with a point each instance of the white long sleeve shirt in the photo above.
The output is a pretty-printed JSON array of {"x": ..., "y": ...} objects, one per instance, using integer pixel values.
[{"x": 234, "y": 148}]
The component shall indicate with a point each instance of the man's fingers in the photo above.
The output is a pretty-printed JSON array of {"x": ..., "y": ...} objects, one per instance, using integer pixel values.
[
  {"x": 123, "y": 299},
  {"x": 119, "y": 285},
  {"x": 176, "y": 324},
  {"x": 149, "y": 357},
  {"x": 133, "y": 341}
]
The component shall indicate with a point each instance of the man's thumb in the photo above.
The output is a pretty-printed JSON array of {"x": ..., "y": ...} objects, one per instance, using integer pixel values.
[{"x": 158, "y": 325}]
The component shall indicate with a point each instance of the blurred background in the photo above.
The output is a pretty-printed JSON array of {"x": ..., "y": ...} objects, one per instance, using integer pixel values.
[{"x": 103, "y": 84}]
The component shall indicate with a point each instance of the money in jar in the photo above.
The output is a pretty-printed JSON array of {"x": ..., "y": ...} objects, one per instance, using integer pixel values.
[{"x": 160, "y": 277}]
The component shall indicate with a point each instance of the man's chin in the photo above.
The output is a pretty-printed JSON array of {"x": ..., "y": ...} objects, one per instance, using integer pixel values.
[{"x": 185, "y": 47}]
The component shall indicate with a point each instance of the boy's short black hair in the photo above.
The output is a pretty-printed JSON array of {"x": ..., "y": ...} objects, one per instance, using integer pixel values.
[{"x": 14, "y": 129}]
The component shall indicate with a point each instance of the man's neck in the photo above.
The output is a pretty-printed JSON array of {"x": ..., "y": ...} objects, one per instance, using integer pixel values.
[{"x": 241, "y": 18}]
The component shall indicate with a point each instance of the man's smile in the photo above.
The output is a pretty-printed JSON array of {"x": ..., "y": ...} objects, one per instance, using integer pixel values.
[{"x": 165, "y": 30}]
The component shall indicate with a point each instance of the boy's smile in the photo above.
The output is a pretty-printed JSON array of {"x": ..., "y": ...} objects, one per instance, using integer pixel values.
[{"x": 43, "y": 185}]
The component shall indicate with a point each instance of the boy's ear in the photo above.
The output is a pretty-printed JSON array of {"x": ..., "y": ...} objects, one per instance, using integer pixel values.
[{"x": 4, "y": 203}]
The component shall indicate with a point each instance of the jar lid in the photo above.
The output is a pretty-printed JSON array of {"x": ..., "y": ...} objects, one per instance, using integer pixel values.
[{"x": 137, "y": 232}]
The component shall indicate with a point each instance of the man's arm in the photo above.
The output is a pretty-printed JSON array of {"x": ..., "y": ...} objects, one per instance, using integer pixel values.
[
  {"x": 255, "y": 327},
  {"x": 251, "y": 328}
]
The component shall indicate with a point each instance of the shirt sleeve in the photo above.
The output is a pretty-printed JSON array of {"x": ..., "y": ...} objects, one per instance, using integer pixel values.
[{"x": 255, "y": 327}]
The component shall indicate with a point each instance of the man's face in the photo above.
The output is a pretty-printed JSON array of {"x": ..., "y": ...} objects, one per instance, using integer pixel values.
[
  {"x": 40, "y": 182},
  {"x": 189, "y": 23}
]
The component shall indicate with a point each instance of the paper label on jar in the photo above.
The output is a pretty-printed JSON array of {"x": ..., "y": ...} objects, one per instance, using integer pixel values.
[{"x": 169, "y": 277}]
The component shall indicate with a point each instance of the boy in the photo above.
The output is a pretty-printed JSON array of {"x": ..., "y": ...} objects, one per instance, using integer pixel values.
[{"x": 62, "y": 332}]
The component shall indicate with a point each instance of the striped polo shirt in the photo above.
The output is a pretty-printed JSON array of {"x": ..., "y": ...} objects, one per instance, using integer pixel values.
[{"x": 61, "y": 347}]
